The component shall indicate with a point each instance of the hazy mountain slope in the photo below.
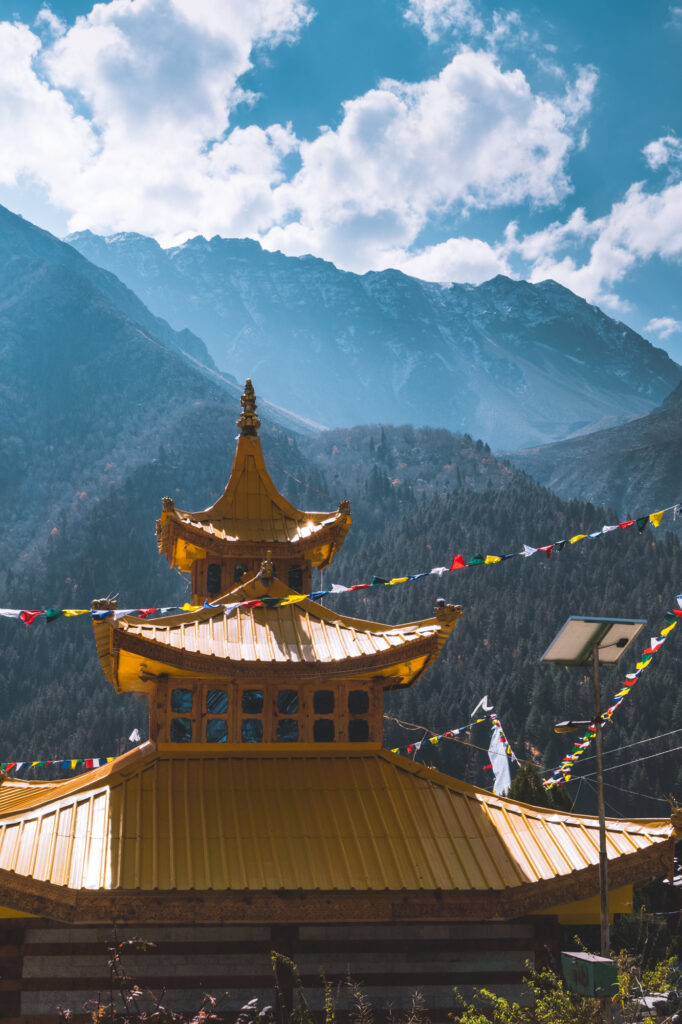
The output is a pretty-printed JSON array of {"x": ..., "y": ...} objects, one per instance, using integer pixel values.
[
  {"x": 25, "y": 247},
  {"x": 511, "y": 362},
  {"x": 634, "y": 467},
  {"x": 87, "y": 393}
]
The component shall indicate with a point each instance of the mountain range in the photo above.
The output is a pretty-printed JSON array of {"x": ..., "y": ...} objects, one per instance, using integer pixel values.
[
  {"x": 634, "y": 467},
  {"x": 513, "y": 363}
]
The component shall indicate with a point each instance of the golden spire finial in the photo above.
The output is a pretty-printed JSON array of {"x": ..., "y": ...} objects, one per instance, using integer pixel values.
[{"x": 248, "y": 422}]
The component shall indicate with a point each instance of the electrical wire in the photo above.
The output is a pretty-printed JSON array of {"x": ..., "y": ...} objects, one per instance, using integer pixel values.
[
  {"x": 627, "y": 746},
  {"x": 624, "y": 764}
]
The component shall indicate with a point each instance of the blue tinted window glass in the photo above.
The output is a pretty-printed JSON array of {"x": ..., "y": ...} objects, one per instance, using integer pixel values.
[
  {"x": 181, "y": 700},
  {"x": 252, "y": 702},
  {"x": 287, "y": 702},
  {"x": 216, "y": 731},
  {"x": 214, "y": 578},
  {"x": 181, "y": 730},
  {"x": 252, "y": 730},
  {"x": 358, "y": 730},
  {"x": 216, "y": 702},
  {"x": 358, "y": 702},
  {"x": 323, "y": 730},
  {"x": 323, "y": 702},
  {"x": 287, "y": 730}
]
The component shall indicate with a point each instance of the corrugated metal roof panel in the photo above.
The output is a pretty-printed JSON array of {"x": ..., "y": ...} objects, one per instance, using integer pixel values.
[{"x": 271, "y": 820}]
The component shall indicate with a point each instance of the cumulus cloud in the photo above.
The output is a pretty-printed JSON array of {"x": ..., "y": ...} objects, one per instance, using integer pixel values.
[
  {"x": 124, "y": 118},
  {"x": 666, "y": 150},
  {"x": 143, "y": 140},
  {"x": 663, "y": 326},
  {"x": 466, "y": 260},
  {"x": 642, "y": 225},
  {"x": 473, "y": 137},
  {"x": 435, "y": 17},
  {"x": 40, "y": 135}
]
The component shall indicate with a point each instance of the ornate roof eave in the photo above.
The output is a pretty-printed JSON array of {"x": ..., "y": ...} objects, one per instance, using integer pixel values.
[
  {"x": 399, "y": 665},
  {"x": 319, "y": 547}
]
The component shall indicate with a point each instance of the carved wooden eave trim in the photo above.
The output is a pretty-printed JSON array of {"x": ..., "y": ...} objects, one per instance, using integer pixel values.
[
  {"x": 206, "y": 664},
  {"x": 171, "y": 528},
  {"x": 135, "y": 906}
]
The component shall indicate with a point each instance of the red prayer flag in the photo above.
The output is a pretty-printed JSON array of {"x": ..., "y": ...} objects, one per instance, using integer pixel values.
[
  {"x": 361, "y": 586},
  {"x": 144, "y": 613},
  {"x": 252, "y": 604},
  {"x": 88, "y": 762},
  {"x": 627, "y": 524},
  {"x": 28, "y": 616},
  {"x": 457, "y": 563},
  {"x": 547, "y": 548}
]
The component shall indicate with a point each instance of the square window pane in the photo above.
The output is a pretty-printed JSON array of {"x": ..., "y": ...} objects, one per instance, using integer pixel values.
[
  {"x": 323, "y": 730},
  {"x": 181, "y": 730},
  {"x": 216, "y": 731},
  {"x": 252, "y": 730},
  {"x": 287, "y": 730},
  {"x": 181, "y": 701},
  {"x": 287, "y": 702},
  {"x": 216, "y": 702},
  {"x": 323, "y": 702},
  {"x": 358, "y": 702},
  {"x": 358, "y": 730},
  {"x": 252, "y": 702}
]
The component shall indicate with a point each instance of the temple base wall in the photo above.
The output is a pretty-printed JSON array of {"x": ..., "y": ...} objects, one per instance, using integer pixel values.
[{"x": 45, "y": 965}]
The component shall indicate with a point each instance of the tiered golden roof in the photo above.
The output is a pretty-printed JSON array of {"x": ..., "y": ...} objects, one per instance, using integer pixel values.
[
  {"x": 251, "y": 514},
  {"x": 234, "y": 832},
  {"x": 301, "y": 641}
]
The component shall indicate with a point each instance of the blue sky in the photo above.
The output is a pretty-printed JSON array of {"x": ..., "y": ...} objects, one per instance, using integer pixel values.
[{"x": 453, "y": 139}]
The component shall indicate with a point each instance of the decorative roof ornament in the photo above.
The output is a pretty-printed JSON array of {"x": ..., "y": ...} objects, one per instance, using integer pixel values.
[{"x": 248, "y": 422}]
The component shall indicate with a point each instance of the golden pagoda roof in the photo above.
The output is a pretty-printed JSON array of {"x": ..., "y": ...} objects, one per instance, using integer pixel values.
[
  {"x": 250, "y": 514},
  {"x": 302, "y": 638},
  {"x": 246, "y": 834}
]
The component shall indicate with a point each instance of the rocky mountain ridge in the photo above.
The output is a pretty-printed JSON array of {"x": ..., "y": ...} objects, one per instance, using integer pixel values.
[{"x": 513, "y": 363}]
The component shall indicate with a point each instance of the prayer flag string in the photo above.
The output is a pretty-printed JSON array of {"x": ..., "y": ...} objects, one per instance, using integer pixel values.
[
  {"x": 31, "y": 615},
  {"x": 451, "y": 734},
  {"x": 563, "y": 772},
  {"x": 63, "y": 763}
]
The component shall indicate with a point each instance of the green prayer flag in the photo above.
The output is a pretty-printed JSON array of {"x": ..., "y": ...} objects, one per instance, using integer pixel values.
[{"x": 53, "y": 613}]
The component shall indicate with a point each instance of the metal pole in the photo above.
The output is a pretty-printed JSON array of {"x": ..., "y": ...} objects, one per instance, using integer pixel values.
[{"x": 603, "y": 863}]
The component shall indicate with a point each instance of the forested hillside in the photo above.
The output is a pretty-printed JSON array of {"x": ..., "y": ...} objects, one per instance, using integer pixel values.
[{"x": 418, "y": 498}]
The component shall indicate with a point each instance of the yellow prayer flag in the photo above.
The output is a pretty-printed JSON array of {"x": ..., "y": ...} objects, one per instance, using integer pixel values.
[
  {"x": 398, "y": 579},
  {"x": 34, "y": 763},
  {"x": 75, "y": 611},
  {"x": 655, "y": 518},
  {"x": 191, "y": 607},
  {"x": 74, "y": 763},
  {"x": 491, "y": 559},
  {"x": 664, "y": 632},
  {"x": 622, "y": 693},
  {"x": 434, "y": 739},
  {"x": 578, "y": 536},
  {"x": 294, "y": 599}
]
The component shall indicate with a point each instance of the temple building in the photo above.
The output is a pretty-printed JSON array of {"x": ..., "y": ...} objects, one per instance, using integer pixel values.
[{"x": 264, "y": 812}]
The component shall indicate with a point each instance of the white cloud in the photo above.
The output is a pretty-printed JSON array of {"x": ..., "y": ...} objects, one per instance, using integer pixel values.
[
  {"x": 47, "y": 18},
  {"x": 666, "y": 150},
  {"x": 40, "y": 135},
  {"x": 435, "y": 17},
  {"x": 641, "y": 226},
  {"x": 124, "y": 120},
  {"x": 473, "y": 137},
  {"x": 466, "y": 260},
  {"x": 154, "y": 82},
  {"x": 663, "y": 326}
]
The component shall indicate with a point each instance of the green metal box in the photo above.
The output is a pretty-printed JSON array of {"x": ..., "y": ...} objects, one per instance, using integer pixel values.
[{"x": 589, "y": 974}]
